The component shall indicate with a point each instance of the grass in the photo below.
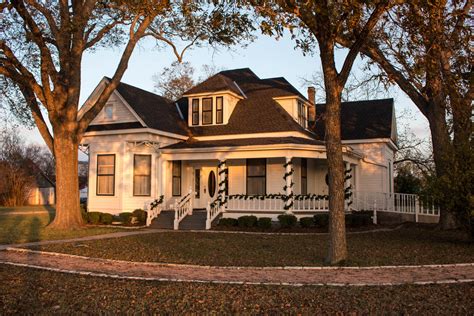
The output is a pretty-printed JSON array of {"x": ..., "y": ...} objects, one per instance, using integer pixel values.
[
  {"x": 31, "y": 208},
  {"x": 29, "y": 291},
  {"x": 32, "y": 227},
  {"x": 409, "y": 246}
]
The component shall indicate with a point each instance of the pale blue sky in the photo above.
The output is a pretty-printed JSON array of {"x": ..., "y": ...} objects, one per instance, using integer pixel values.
[{"x": 266, "y": 56}]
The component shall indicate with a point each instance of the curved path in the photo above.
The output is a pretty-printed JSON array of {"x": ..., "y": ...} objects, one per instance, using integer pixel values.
[{"x": 294, "y": 276}]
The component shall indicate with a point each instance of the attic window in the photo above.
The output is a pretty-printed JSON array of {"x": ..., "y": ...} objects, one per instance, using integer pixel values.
[
  {"x": 109, "y": 111},
  {"x": 219, "y": 110},
  {"x": 195, "y": 112},
  {"x": 302, "y": 115},
  {"x": 207, "y": 111}
]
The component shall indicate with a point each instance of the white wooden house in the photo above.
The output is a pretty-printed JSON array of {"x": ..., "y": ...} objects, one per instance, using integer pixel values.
[{"x": 232, "y": 138}]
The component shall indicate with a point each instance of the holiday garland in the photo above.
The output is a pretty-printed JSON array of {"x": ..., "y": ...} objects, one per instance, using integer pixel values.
[
  {"x": 288, "y": 198},
  {"x": 156, "y": 202},
  {"x": 222, "y": 184}
]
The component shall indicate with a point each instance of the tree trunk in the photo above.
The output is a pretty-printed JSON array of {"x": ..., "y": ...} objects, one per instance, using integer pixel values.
[
  {"x": 337, "y": 226},
  {"x": 443, "y": 158},
  {"x": 68, "y": 214}
]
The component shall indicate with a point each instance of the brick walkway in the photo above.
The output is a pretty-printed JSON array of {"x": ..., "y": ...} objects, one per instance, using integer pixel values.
[{"x": 296, "y": 276}]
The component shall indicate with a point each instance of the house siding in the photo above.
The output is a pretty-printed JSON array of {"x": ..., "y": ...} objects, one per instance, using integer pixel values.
[{"x": 121, "y": 112}]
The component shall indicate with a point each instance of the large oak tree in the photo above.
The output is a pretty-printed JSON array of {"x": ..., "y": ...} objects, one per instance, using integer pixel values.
[
  {"x": 425, "y": 48},
  {"x": 41, "y": 48},
  {"x": 315, "y": 25}
]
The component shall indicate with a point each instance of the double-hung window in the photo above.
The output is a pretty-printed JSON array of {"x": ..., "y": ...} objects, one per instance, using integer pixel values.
[
  {"x": 176, "y": 182},
  {"x": 105, "y": 175},
  {"x": 219, "y": 110},
  {"x": 207, "y": 111},
  {"x": 302, "y": 115},
  {"x": 304, "y": 176},
  {"x": 195, "y": 112},
  {"x": 142, "y": 175},
  {"x": 256, "y": 176}
]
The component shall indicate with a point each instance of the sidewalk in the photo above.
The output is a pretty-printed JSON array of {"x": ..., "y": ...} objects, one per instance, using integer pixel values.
[{"x": 291, "y": 276}]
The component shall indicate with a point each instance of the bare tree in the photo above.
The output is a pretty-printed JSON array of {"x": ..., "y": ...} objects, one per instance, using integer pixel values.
[{"x": 41, "y": 50}]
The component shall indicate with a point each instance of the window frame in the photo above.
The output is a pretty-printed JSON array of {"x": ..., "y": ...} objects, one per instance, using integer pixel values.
[
  {"x": 97, "y": 175},
  {"x": 134, "y": 175},
  {"x": 111, "y": 106},
  {"x": 221, "y": 110},
  {"x": 207, "y": 111},
  {"x": 302, "y": 115},
  {"x": 247, "y": 175},
  {"x": 193, "y": 111},
  {"x": 173, "y": 177},
  {"x": 304, "y": 179}
]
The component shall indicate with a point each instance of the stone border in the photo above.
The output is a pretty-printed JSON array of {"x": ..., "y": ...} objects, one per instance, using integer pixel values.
[{"x": 184, "y": 265}]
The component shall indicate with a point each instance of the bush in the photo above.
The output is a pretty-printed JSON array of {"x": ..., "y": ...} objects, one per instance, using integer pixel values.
[
  {"x": 93, "y": 217},
  {"x": 106, "y": 218},
  {"x": 140, "y": 215},
  {"x": 321, "y": 220},
  {"x": 287, "y": 220},
  {"x": 306, "y": 222},
  {"x": 264, "y": 222},
  {"x": 228, "y": 222},
  {"x": 358, "y": 220},
  {"x": 84, "y": 212},
  {"x": 126, "y": 217},
  {"x": 247, "y": 221}
]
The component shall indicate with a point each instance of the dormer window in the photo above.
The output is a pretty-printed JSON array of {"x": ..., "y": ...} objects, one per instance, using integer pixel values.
[
  {"x": 302, "y": 114},
  {"x": 207, "y": 111},
  {"x": 219, "y": 110},
  {"x": 109, "y": 111},
  {"x": 195, "y": 112}
]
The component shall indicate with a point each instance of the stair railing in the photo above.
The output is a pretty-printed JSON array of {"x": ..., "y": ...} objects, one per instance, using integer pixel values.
[
  {"x": 182, "y": 208},
  {"x": 154, "y": 210},
  {"x": 213, "y": 210}
]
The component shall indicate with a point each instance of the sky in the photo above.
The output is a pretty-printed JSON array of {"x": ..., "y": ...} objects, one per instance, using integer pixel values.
[{"x": 266, "y": 56}]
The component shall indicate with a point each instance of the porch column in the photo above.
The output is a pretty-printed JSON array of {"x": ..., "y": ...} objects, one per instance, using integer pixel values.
[
  {"x": 347, "y": 184},
  {"x": 289, "y": 184},
  {"x": 222, "y": 181}
]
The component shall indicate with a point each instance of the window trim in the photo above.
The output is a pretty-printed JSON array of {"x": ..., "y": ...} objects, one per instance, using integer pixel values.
[
  {"x": 106, "y": 117},
  {"x": 173, "y": 176},
  {"x": 202, "y": 111},
  {"x": 221, "y": 110},
  {"x": 193, "y": 112},
  {"x": 305, "y": 177},
  {"x": 149, "y": 176},
  {"x": 97, "y": 175},
  {"x": 247, "y": 175}
]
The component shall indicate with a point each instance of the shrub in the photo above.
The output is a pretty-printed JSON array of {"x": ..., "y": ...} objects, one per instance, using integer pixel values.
[
  {"x": 247, "y": 221},
  {"x": 93, "y": 217},
  {"x": 83, "y": 209},
  {"x": 140, "y": 215},
  {"x": 126, "y": 217},
  {"x": 287, "y": 220},
  {"x": 264, "y": 222},
  {"x": 106, "y": 218},
  {"x": 228, "y": 222},
  {"x": 306, "y": 222},
  {"x": 321, "y": 220},
  {"x": 358, "y": 220}
]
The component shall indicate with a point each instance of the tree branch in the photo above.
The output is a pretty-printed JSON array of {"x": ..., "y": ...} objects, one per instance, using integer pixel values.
[{"x": 361, "y": 38}]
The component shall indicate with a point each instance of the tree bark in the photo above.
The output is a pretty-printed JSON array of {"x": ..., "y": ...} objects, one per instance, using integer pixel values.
[
  {"x": 68, "y": 215},
  {"x": 337, "y": 226}
]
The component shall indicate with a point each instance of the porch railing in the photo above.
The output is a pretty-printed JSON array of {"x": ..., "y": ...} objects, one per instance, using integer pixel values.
[
  {"x": 213, "y": 210},
  {"x": 182, "y": 208},
  {"x": 276, "y": 203},
  {"x": 153, "y": 210}
]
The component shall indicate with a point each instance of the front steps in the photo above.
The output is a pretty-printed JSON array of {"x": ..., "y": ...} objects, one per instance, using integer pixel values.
[{"x": 165, "y": 220}]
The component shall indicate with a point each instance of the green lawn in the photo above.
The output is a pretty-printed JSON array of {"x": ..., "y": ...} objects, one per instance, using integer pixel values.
[
  {"x": 32, "y": 227},
  {"x": 32, "y": 208},
  {"x": 29, "y": 291},
  {"x": 405, "y": 247}
]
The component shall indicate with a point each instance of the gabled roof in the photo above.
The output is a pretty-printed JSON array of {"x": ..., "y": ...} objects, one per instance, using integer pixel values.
[
  {"x": 361, "y": 119},
  {"x": 258, "y": 112},
  {"x": 216, "y": 83},
  {"x": 155, "y": 111}
]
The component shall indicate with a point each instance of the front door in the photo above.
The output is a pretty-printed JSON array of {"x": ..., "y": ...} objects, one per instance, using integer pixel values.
[{"x": 205, "y": 185}]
